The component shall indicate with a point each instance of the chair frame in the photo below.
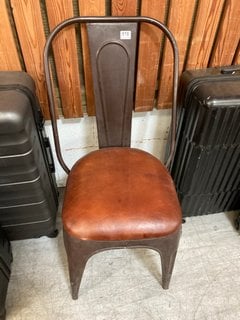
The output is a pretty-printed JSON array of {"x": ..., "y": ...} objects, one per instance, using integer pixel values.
[
  {"x": 80, "y": 20},
  {"x": 79, "y": 251}
]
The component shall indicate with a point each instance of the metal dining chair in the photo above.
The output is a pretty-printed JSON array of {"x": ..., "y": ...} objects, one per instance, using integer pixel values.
[{"x": 117, "y": 196}]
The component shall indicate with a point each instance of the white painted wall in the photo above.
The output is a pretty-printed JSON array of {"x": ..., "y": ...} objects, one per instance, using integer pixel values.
[{"x": 79, "y": 136}]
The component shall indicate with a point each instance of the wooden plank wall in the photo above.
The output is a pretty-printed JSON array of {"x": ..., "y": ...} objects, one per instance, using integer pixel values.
[
  {"x": 207, "y": 33},
  {"x": 66, "y": 58},
  {"x": 30, "y": 33}
]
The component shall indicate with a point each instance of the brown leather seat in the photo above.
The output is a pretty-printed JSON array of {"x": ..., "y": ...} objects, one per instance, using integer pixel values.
[{"x": 120, "y": 194}]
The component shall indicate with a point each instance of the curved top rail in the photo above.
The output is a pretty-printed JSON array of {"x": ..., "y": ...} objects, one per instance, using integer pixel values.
[{"x": 92, "y": 19}]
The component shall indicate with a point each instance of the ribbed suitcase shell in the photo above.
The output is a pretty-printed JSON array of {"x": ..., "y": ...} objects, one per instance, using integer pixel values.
[
  {"x": 200, "y": 204},
  {"x": 5, "y": 270},
  {"x": 207, "y": 159},
  {"x": 28, "y": 194}
]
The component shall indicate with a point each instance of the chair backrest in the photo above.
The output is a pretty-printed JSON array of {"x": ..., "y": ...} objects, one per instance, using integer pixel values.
[
  {"x": 113, "y": 43},
  {"x": 113, "y": 53}
]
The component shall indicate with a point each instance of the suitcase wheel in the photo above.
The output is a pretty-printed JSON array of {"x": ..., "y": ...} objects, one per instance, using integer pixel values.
[
  {"x": 54, "y": 234},
  {"x": 237, "y": 223}
]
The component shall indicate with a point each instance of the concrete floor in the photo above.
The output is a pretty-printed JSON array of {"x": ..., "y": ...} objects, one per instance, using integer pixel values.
[{"x": 124, "y": 284}]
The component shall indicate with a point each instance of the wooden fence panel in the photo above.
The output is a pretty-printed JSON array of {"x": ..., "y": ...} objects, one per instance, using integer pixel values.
[
  {"x": 66, "y": 58},
  {"x": 9, "y": 59},
  {"x": 90, "y": 8},
  {"x": 227, "y": 36},
  {"x": 179, "y": 22},
  {"x": 29, "y": 26},
  {"x": 207, "y": 33},
  {"x": 149, "y": 54},
  {"x": 124, "y": 8},
  {"x": 204, "y": 30}
]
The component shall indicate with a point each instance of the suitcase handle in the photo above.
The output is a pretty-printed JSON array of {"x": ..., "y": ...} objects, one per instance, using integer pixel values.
[
  {"x": 49, "y": 154},
  {"x": 230, "y": 70}
]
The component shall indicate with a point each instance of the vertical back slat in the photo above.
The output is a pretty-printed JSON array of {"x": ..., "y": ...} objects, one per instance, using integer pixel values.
[
  {"x": 179, "y": 22},
  {"x": 148, "y": 56},
  {"x": 113, "y": 65},
  {"x": 66, "y": 58},
  {"x": 9, "y": 59},
  {"x": 205, "y": 28},
  {"x": 124, "y": 8},
  {"x": 28, "y": 20},
  {"x": 89, "y": 8},
  {"x": 228, "y": 35}
]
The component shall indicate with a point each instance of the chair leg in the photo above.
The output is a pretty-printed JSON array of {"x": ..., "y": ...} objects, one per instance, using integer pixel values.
[
  {"x": 167, "y": 261},
  {"x": 79, "y": 251},
  {"x": 167, "y": 248},
  {"x": 77, "y": 255}
]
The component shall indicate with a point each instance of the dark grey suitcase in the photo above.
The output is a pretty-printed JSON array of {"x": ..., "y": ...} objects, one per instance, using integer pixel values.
[
  {"x": 5, "y": 270},
  {"x": 206, "y": 166},
  {"x": 28, "y": 193}
]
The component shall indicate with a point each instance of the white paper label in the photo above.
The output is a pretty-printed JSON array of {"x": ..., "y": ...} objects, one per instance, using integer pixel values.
[{"x": 125, "y": 35}]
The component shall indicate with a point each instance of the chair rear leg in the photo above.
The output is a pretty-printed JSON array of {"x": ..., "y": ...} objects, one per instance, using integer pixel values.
[{"x": 77, "y": 255}]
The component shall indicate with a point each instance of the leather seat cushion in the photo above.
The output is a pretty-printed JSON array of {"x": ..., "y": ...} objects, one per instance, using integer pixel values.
[{"x": 120, "y": 194}]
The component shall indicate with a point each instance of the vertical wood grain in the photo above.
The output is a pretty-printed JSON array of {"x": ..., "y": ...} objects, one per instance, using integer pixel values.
[
  {"x": 179, "y": 22},
  {"x": 89, "y": 8},
  {"x": 28, "y": 20},
  {"x": 228, "y": 35},
  {"x": 9, "y": 59},
  {"x": 66, "y": 58},
  {"x": 236, "y": 59},
  {"x": 205, "y": 28},
  {"x": 148, "y": 56},
  {"x": 213, "y": 43},
  {"x": 124, "y": 7}
]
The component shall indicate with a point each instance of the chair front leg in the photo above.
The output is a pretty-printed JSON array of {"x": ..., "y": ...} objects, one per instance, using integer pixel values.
[
  {"x": 167, "y": 248},
  {"x": 77, "y": 256}
]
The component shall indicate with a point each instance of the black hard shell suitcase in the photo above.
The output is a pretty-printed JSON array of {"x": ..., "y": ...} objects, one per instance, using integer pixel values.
[
  {"x": 206, "y": 166},
  {"x": 28, "y": 193},
  {"x": 5, "y": 270}
]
